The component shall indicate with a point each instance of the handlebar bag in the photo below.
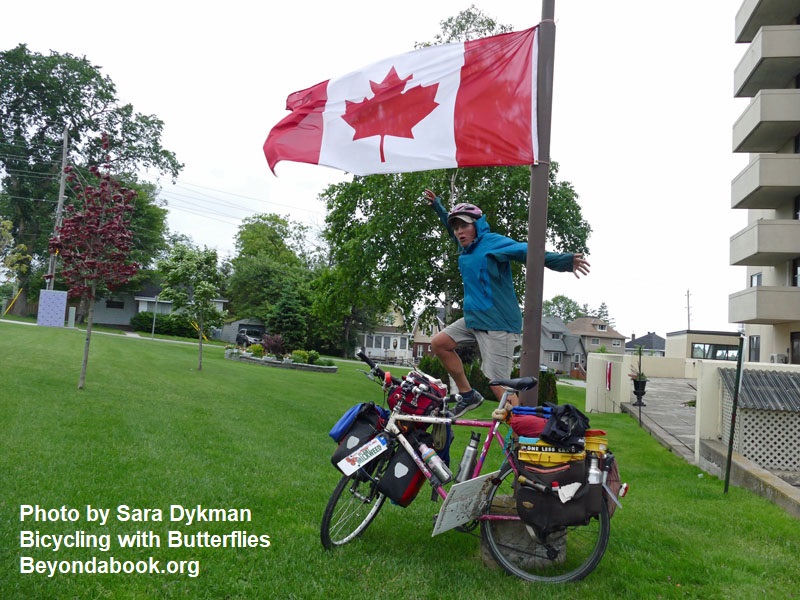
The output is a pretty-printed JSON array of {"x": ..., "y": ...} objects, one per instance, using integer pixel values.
[{"x": 418, "y": 405}]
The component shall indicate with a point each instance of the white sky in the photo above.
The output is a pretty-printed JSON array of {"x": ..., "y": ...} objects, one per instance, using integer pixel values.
[{"x": 642, "y": 114}]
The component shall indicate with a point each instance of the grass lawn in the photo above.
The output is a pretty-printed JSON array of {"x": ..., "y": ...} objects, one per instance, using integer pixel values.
[{"x": 150, "y": 431}]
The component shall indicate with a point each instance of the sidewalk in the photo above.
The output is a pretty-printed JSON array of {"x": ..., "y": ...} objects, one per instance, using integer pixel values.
[{"x": 668, "y": 414}]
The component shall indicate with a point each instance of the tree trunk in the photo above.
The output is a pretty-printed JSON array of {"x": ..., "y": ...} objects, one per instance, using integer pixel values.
[{"x": 89, "y": 321}]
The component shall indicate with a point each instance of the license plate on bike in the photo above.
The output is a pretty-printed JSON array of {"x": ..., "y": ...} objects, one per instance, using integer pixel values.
[{"x": 361, "y": 456}]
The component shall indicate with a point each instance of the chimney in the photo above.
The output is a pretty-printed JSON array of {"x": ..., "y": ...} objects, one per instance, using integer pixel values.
[{"x": 633, "y": 337}]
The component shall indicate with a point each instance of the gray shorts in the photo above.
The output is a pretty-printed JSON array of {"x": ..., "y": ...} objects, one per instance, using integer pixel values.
[{"x": 496, "y": 347}]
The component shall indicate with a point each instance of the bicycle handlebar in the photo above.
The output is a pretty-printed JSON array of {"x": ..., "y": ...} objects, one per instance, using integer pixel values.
[{"x": 377, "y": 370}]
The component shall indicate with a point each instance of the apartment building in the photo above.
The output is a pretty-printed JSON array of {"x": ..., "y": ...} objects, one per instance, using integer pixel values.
[{"x": 769, "y": 187}]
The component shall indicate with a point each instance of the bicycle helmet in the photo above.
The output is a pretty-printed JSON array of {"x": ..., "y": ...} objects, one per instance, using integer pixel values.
[{"x": 469, "y": 213}]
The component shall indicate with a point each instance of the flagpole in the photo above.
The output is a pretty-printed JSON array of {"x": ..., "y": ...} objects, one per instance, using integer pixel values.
[{"x": 537, "y": 210}]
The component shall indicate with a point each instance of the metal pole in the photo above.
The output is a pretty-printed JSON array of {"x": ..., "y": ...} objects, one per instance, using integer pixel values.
[
  {"x": 155, "y": 310},
  {"x": 537, "y": 211},
  {"x": 736, "y": 387},
  {"x": 62, "y": 184}
]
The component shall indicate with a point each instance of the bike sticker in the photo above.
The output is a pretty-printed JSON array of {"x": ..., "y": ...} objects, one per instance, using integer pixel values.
[{"x": 360, "y": 457}]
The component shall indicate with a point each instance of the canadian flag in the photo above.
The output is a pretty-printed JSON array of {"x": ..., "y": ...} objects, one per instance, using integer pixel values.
[{"x": 455, "y": 105}]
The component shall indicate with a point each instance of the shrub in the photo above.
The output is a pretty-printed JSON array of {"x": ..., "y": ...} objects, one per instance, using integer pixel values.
[
  {"x": 548, "y": 391},
  {"x": 433, "y": 367},
  {"x": 325, "y": 362},
  {"x": 300, "y": 356},
  {"x": 313, "y": 357},
  {"x": 177, "y": 324},
  {"x": 257, "y": 350},
  {"x": 274, "y": 344}
]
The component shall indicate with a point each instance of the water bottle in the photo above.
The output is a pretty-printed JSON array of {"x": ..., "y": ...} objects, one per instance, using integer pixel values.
[
  {"x": 595, "y": 475},
  {"x": 467, "y": 466},
  {"x": 435, "y": 463}
]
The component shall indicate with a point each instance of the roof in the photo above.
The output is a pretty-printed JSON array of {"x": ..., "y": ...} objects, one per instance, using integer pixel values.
[
  {"x": 587, "y": 326},
  {"x": 651, "y": 341},
  {"x": 765, "y": 390}
]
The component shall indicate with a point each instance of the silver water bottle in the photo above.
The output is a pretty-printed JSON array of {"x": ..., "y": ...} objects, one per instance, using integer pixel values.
[{"x": 467, "y": 465}]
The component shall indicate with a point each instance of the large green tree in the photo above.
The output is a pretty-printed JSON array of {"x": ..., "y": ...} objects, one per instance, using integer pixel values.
[
  {"x": 41, "y": 97},
  {"x": 272, "y": 258}
]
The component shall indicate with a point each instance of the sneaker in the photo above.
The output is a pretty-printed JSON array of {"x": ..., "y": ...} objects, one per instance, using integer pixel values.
[{"x": 465, "y": 404}]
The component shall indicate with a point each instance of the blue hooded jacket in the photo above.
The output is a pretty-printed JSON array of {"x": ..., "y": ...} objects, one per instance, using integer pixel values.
[{"x": 490, "y": 303}]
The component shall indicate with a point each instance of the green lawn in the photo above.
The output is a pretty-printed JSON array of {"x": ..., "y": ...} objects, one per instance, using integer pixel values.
[{"x": 150, "y": 431}]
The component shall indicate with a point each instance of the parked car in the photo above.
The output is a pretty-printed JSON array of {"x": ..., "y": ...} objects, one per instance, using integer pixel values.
[{"x": 245, "y": 337}]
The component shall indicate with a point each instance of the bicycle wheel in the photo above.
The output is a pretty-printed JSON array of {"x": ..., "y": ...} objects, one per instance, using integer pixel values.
[
  {"x": 568, "y": 554},
  {"x": 355, "y": 502}
]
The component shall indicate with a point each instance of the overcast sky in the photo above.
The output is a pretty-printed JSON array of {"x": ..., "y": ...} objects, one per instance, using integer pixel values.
[{"x": 642, "y": 114}]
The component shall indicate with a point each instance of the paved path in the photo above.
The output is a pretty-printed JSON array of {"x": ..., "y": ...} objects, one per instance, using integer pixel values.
[{"x": 669, "y": 413}]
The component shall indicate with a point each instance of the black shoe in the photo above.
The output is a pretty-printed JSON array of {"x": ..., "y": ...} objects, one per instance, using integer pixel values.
[{"x": 464, "y": 405}]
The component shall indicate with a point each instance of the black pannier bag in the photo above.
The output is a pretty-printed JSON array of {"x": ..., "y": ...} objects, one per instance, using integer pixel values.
[
  {"x": 566, "y": 427},
  {"x": 544, "y": 510},
  {"x": 403, "y": 479},
  {"x": 366, "y": 425}
]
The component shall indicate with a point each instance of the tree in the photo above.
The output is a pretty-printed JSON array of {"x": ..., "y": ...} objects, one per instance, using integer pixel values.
[
  {"x": 191, "y": 281},
  {"x": 272, "y": 260},
  {"x": 562, "y": 307},
  {"x": 41, "y": 96},
  {"x": 12, "y": 255},
  {"x": 289, "y": 320},
  {"x": 94, "y": 242}
]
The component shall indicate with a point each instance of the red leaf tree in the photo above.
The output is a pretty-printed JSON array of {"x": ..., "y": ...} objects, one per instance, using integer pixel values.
[{"x": 94, "y": 242}]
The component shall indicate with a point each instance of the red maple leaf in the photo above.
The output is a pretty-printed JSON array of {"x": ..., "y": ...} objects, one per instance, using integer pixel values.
[{"x": 390, "y": 111}]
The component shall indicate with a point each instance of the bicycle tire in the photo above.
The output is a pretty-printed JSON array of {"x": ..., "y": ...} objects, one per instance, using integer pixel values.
[
  {"x": 571, "y": 553},
  {"x": 354, "y": 504}
]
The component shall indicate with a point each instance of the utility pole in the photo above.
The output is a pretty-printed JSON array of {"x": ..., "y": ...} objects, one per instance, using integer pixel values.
[
  {"x": 62, "y": 184},
  {"x": 688, "y": 312}
]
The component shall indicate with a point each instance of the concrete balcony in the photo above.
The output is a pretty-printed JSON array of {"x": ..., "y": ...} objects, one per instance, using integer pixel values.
[
  {"x": 771, "y": 62},
  {"x": 766, "y": 243},
  {"x": 754, "y": 14},
  {"x": 770, "y": 121},
  {"x": 764, "y": 305},
  {"x": 769, "y": 181}
]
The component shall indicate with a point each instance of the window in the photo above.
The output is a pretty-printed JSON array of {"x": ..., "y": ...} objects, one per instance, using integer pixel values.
[
  {"x": 119, "y": 304},
  {"x": 715, "y": 351},
  {"x": 555, "y": 335},
  {"x": 797, "y": 205},
  {"x": 387, "y": 341},
  {"x": 403, "y": 343},
  {"x": 555, "y": 357},
  {"x": 602, "y": 327},
  {"x": 796, "y": 272},
  {"x": 595, "y": 342},
  {"x": 616, "y": 343},
  {"x": 755, "y": 280},
  {"x": 576, "y": 358},
  {"x": 369, "y": 342},
  {"x": 754, "y": 348}
]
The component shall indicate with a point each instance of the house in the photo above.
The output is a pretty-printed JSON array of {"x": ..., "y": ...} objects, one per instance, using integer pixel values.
[
  {"x": 711, "y": 345},
  {"x": 597, "y": 335},
  {"x": 652, "y": 344},
  {"x": 120, "y": 308},
  {"x": 561, "y": 350},
  {"x": 390, "y": 341},
  {"x": 422, "y": 334}
]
